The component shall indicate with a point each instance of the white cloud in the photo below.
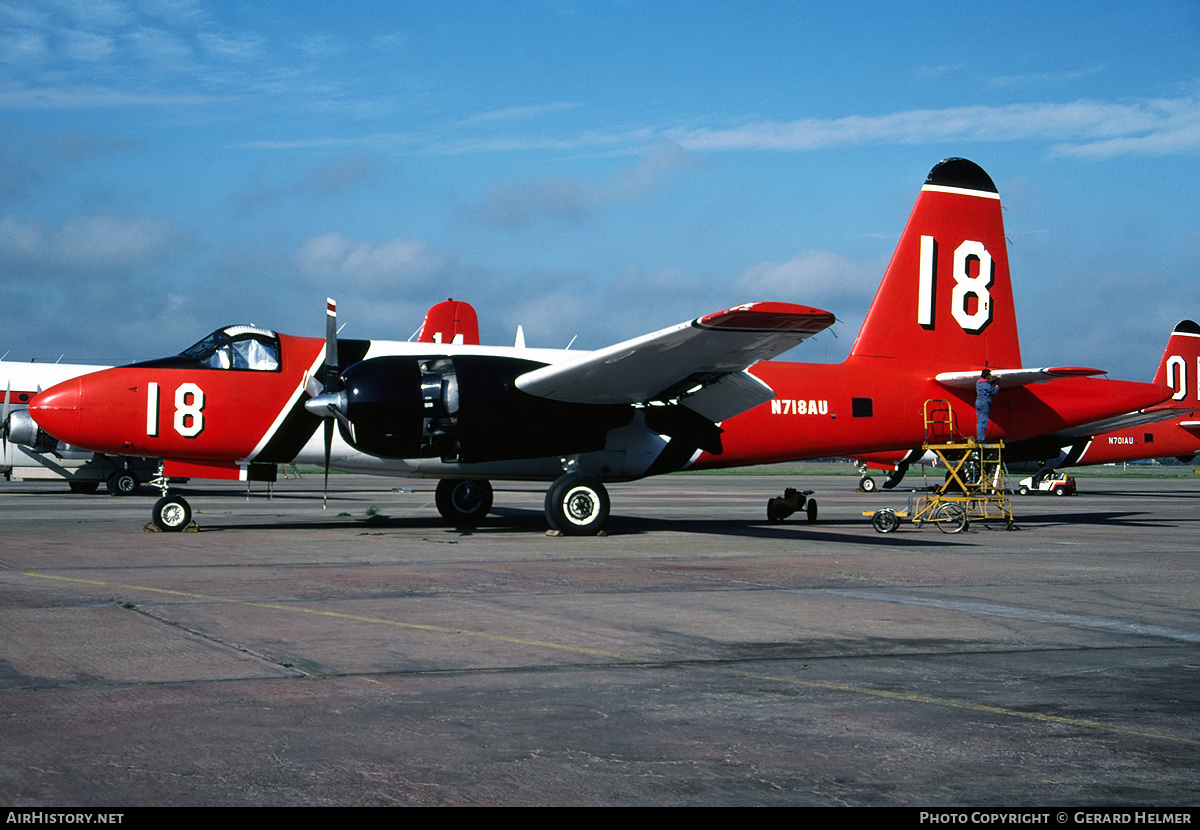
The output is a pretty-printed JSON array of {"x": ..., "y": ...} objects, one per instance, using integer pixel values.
[
  {"x": 23, "y": 46},
  {"x": 158, "y": 46},
  {"x": 329, "y": 179},
  {"x": 1079, "y": 120},
  {"x": 239, "y": 47},
  {"x": 95, "y": 14},
  {"x": 87, "y": 46},
  {"x": 1158, "y": 125},
  {"x": 95, "y": 97},
  {"x": 335, "y": 260},
  {"x": 517, "y": 203},
  {"x": 811, "y": 275},
  {"x": 517, "y": 113},
  {"x": 101, "y": 243}
]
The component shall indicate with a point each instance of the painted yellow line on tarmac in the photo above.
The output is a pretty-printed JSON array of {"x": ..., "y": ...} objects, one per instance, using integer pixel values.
[
  {"x": 812, "y": 684},
  {"x": 959, "y": 704},
  {"x": 437, "y": 629}
]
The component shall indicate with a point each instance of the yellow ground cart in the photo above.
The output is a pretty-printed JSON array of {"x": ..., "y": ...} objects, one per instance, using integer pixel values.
[{"x": 975, "y": 487}]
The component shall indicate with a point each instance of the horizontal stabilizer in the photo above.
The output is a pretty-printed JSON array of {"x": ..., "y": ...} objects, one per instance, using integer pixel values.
[
  {"x": 1009, "y": 378},
  {"x": 1152, "y": 415},
  {"x": 682, "y": 359}
]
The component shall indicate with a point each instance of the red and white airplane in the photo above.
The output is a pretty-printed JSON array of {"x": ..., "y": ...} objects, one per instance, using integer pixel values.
[
  {"x": 1176, "y": 432},
  {"x": 27, "y": 452},
  {"x": 1170, "y": 429},
  {"x": 702, "y": 394}
]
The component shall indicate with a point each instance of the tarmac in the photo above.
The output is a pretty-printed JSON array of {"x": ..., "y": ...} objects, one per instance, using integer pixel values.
[{"x": 695, "y": 655}]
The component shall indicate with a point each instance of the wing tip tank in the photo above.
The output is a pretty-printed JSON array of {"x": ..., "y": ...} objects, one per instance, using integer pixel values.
[{"x": 768, "y": 316}]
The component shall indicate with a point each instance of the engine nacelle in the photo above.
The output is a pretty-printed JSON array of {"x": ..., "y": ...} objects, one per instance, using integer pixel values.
[
  {"x": 23, "y": 430},
  {"x": 465, "y": 408}
]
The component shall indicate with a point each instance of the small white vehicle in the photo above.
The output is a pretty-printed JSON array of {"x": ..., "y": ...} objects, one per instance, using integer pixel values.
[{"x": 1060, "y": 484}]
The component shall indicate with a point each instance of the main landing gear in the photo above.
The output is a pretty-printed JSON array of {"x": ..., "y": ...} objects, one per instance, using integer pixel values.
[
  {"x": 463, "y": 502},
  {"x": 576, "y": 504}
]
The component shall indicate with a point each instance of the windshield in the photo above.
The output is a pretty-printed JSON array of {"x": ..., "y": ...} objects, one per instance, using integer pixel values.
[{"x": 237, "y": 347}]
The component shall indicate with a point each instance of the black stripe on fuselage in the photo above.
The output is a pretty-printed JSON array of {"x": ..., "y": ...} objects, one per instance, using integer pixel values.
[{"x": 298, "y": 426}]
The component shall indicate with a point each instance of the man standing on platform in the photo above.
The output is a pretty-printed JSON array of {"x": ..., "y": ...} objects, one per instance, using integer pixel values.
[{"x": 985, "y": 389}]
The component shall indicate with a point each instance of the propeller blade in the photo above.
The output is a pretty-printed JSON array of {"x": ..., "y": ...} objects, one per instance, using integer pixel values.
[
  {"x": 328, "y": 450},
  {"x": 332, "y": 370},
  {"x": 330, "y": 379},
  {"x": 4, "y": 419}
]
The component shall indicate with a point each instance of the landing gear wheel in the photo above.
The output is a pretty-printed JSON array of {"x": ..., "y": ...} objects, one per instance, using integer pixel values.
[
  {"x": 577, "y": 505},
  {"x": 866, "y": 484},
  {"x": 83, "y": 486},
  {"x": 172, "y": 513},
  {"x": 950, "y": 518},
  {"x": 123, "y": 483},
  {"x": 885, "y": 520},
  {"x": 810, "y": 510},
  {"x": 463, "y": 502}
]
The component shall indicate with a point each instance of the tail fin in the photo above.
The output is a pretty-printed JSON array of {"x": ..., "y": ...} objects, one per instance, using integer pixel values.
[
  {"x": 1180, "y": 365},
  {"x": 946, "y": 298},
  {"x": 452, "y": 321}
]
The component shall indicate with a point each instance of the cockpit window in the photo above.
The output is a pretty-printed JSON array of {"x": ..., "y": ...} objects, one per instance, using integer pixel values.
[{"x": 238, "y": 347}]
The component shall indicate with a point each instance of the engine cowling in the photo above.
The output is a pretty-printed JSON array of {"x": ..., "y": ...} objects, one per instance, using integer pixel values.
[
  {"x": 465, "y": 408},
  {"x": 23, "y": 430}
]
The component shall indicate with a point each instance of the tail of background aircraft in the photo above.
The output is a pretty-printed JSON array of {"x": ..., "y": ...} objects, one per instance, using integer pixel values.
[
  {"x": 1180, "y": 366},
  {"x": 451, "y": 321},
  {"x": 946, "y": 298}
]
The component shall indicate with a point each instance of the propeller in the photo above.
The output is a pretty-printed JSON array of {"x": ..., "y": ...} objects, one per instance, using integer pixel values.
[{"x": 323, "y": 403}]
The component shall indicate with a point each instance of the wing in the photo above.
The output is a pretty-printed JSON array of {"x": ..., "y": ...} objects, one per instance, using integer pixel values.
[
  {"x": 1009, "y": 378},
  {"x": 701, "y": 362}
]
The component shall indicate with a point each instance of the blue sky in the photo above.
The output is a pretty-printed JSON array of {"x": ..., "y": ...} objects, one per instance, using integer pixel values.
[{"x": 592, "y": 169}]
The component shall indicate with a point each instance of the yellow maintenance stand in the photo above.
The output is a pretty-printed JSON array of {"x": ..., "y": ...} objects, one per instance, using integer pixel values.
[{"x": 975, "y": 487}]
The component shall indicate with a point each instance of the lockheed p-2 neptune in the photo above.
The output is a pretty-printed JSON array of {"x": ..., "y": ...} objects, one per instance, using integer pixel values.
[{"x": 702, "y": 394}]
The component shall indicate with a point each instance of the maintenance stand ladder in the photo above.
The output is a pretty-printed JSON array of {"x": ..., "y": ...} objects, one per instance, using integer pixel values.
[{"x": 975, "y": 486}]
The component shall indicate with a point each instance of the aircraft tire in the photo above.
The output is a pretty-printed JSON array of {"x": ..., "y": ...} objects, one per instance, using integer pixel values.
[
  {"x": 577, "y": 505},
  {"x": 885, "y": 520},
  {"x": 84, "y": 487},
  {"x": 463, "y": 501},
  {"x": 810, "y": 510},
  {"x": 866, "y": 484},
  {"x": 123, "y": 483},
  {"x": 172, "y": 513}
]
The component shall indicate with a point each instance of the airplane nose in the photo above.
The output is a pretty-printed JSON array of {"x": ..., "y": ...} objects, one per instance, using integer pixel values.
[{"x": 57, "y": 410}]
